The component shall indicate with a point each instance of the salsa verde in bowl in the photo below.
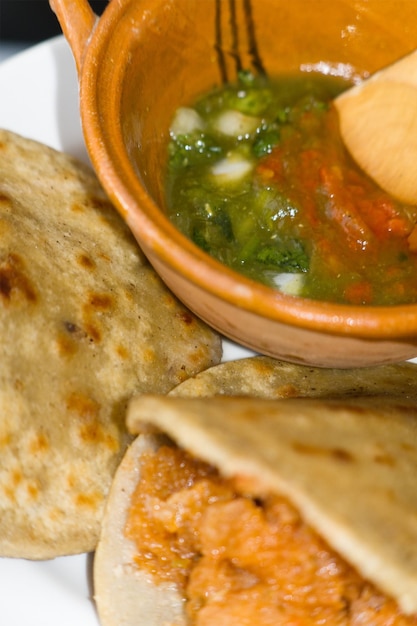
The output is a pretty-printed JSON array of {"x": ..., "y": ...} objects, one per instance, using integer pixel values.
[
  {"x": 259, "y": 178},
  {"x": 136, "y": 69}
]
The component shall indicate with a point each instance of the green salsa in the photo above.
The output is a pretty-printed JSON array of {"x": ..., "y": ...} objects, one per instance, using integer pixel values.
[{"x": 259, "y": 178}]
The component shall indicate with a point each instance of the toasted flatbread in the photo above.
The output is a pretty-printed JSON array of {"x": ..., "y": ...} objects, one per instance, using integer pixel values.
[
  {"x": 85, "y": 323},
  {"x": 264, "y": 377},
  {"x": 348, "y": 466}
]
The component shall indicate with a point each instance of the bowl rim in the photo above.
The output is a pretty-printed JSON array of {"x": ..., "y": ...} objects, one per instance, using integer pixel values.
[{"x": 109, "y": 157}]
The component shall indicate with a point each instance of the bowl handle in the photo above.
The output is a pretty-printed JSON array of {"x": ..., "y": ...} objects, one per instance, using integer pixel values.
[{"x": 77, "y": 21}]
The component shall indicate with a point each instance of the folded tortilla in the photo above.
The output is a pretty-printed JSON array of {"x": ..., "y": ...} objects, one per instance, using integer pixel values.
[
  {"x": 85, "y": 323},
  {"x": 348, "y": 467}
]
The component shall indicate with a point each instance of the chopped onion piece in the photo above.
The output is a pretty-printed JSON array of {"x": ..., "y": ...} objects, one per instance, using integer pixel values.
[
  {"x": 236, "y": 124},
  {"x": 288, "y": 283},
  {"x": 233, "y": 168},
  {"x": 186, "y": 120}
]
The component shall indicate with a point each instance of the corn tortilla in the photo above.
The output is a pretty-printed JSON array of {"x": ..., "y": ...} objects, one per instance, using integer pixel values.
[
  {"x": 265, "y": 377},
  {"x": 85, "y": 324}
]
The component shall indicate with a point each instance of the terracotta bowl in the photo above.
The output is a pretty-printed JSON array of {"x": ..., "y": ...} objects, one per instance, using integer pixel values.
[{"x": 144, "y": 58}]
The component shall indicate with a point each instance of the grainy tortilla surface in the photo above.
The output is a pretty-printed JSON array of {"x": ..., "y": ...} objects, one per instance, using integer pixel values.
[{"x": 264, "y": 377}]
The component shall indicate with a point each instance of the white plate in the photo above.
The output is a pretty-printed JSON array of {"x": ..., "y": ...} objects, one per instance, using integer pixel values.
[{"x": 39, "y": 99}]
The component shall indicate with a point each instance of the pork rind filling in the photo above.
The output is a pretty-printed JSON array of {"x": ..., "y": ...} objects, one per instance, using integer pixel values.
[{"x": 241, "y": 560}]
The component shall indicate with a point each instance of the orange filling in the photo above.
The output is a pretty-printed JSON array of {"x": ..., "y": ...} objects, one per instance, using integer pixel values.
[{"x": 240, "y": 560}]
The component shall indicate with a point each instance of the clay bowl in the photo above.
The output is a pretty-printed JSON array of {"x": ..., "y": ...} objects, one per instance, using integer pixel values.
[{"x": 144, "y": 58}]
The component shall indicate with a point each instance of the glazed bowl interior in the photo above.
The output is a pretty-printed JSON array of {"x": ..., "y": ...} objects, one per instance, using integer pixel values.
[
  {"x": 146, "y": 58},
  {"x": 186, "y": 47}
]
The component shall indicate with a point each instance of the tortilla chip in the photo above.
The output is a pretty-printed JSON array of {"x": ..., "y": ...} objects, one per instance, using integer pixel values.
[
  {"x": 348, "y": 466},
  {"x": 85, "y": 324}
]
